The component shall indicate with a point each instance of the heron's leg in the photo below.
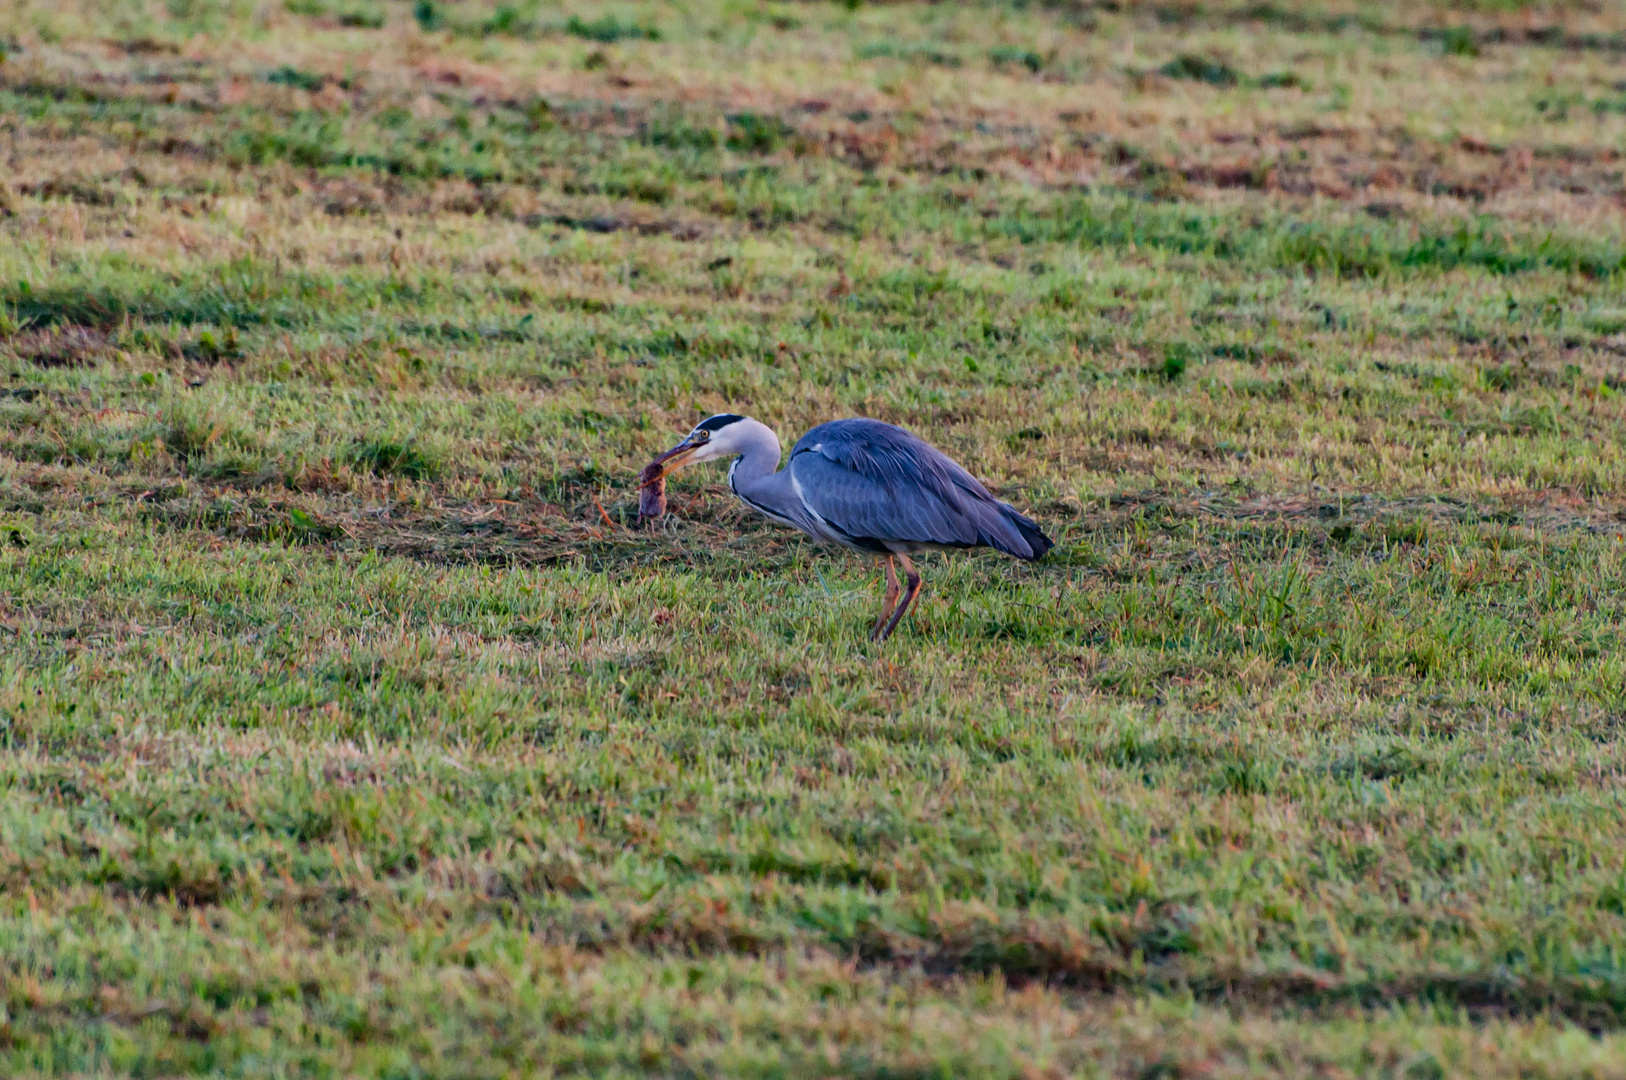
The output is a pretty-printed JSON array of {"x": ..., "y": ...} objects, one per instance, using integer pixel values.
[
  {"x": 891, "y": 597},
  {"x": 911, "y": 589}
]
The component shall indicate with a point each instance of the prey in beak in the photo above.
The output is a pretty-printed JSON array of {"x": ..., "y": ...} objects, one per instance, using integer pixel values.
[
  {"x": 652, "y": 481},
  {"x": 670, "y": 462}
]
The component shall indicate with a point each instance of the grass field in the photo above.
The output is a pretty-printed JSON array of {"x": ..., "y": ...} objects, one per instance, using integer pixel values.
[{"x": 349, "y": 729}]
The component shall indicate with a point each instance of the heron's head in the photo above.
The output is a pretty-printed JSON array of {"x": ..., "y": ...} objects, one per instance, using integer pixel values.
[{"x": 716, "y": 437}]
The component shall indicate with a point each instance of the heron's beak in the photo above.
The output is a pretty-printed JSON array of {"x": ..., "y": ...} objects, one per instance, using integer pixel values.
[{"x": 671, "y": 461}]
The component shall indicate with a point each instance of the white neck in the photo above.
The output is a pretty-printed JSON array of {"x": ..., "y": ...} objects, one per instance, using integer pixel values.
[
  {"x": 756, "y": 447},
  {"x": 755, "y": 475}
]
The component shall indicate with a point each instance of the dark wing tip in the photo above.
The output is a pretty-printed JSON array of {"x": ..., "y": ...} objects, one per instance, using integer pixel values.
[{"x": 1038, "y": 543}]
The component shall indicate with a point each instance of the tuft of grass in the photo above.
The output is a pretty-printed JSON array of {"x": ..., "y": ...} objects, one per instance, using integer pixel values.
[
  {"x": 287, "y": 75},
  {"x": 914, "y": 52},
  {"x": 429, "y": 15},
  {"x": 388, "y": 457},
  {"x": 363, "y": 16},
  {"x": 1016, "y": 55},
  {"x": 1175, "y": 359},
  {"x": 1459, "y": 41},
  {"x": 607, "y": 29},
  {"x": 753, "y": 133},
  {"x": 1278, "y": 80},
  {"x": 1201, "y": 69}
]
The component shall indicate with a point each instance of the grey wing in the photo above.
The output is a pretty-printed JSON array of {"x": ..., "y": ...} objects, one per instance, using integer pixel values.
[
  {"x": 891, "y": 454},
  {"x": 873, "y": 511},
  {"x": 888, "y": 485},
  {"x": 879, "y": 485}
]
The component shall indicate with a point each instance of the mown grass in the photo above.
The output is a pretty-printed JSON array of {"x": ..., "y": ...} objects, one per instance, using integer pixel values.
[{"x": 351, "y": 727}]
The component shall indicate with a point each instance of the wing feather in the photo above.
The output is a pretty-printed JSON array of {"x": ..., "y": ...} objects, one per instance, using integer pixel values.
[
  {"x": 866, "y": 508},
  {"x": 877, "y": 482}
]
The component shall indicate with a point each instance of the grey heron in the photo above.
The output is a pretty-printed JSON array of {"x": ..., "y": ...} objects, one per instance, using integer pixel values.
[{"x": 865, "y": 485}]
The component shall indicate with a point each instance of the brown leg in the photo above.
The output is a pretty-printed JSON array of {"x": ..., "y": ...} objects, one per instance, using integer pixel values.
[
  {"x": 911, "y": 590},
  {"x": 891, "y": 598}
]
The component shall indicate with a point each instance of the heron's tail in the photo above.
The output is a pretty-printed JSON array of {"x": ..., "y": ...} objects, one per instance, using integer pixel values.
[
  {"x": 1038, "y": 542},
  {"x": 1021, "y": 536}
]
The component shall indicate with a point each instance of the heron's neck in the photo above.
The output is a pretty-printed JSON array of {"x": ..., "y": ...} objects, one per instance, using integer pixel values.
[
  {"x": 759, "y": 454},
  {"x": 755, "y": 475}
]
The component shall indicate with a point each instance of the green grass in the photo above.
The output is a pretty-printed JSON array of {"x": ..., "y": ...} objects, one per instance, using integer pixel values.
[{"x": 349, "y": 726}]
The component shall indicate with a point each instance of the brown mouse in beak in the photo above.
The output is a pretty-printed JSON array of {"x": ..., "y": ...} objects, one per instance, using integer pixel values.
[{"x": 651, "y": 492}]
